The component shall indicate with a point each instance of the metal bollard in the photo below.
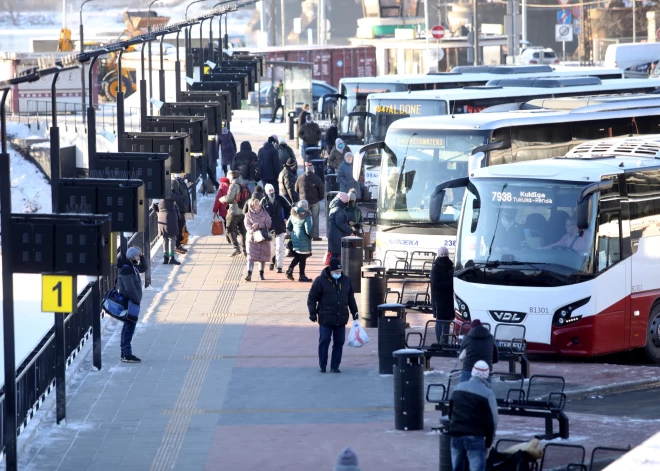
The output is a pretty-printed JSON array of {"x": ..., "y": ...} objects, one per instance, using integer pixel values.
[
  {"x": 351, "y": 259},
  {"x": 374, "y": 287},
  {"x": 292, "y": 124},
  {"x": 409, "y": 389},
  {"x": 445, "y": 445},
  {"x": 391, "y": 335}
]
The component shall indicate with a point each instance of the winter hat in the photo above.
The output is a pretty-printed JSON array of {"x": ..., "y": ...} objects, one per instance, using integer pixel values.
[
  {"x": 291, "y": 162},
  {"x": 335, "y": 264},
  {"x": 347, "y": 460},
  {"x": 481, "y": 370},
  {"x": 274, "y": 138},
  {"x": 443, "y": 251},
  {"x": 269, "y": 188},
  {"x": 343, "y": 197},
  {"x": 282, "y": 140},
  {"x": 352, "y": 195},
  {"x": 303, "y": 204},
  {"x": 132, "y": 252},
  {"x": 476, "y": 323}
]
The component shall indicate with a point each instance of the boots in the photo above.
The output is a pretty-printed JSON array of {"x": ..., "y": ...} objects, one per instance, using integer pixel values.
[
  {"x": 289, "y": 274},
  {"x": 166, "y": 259},
  {"x": 173, "y": 261},
  {"x": 261, "y": 274},
  {"x": 249, "y": 276}
]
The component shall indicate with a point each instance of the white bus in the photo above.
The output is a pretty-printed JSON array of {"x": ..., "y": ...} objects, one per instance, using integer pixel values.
[
  {"x": 353, "y": 92},
  {"x": 383, "y": 109},
  {"x": 566, "y": 251},
  {"x": 422, "y": 154}
]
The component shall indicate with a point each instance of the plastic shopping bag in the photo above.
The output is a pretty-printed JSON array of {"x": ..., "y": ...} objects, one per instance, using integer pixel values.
[{"x": 357, "y": 336}]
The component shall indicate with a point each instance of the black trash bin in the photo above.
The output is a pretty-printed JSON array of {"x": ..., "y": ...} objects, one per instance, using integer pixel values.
[
  {"x": 292, "y": 124},
  {"x": 351, "y": 259},
  {"x": 374, "y": 287},
  {"x": 445, "y": 445},
  {"x": 319, "y": 167},
  {"x": 331, "y": 183},
  {"x": 409, "y": 389},
  {"x": 391, "y": 335}
]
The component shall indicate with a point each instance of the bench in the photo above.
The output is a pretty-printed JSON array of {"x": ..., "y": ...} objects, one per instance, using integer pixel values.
[
  {"x": 414, "y": 294},
  {"x": 544, "y": 398}
]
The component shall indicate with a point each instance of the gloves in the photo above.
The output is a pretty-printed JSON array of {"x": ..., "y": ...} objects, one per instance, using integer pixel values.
[
  {"x": 312, "y": 317},
  {"x": 355, "y": 316}
]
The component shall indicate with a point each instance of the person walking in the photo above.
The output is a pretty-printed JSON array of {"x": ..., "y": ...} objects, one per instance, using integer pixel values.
[
  {"x": 478, "y": 344},
  {"x": 310, "y": 187},
  {"x": 345, "y": 176},
  {"x": 235, "y": 216},
  {"x": 331, "y": 135},
  {"x": 183, "y": 200},
  {"x": 287, "y": 181},
  {"x": 300, "y": 227},
  {"x": 168, "y": 227},
  {"x": 257, "y": 221},
  {"x": 227, "y": 149},
  {"x": 442, "y": 294},
  {"x": 247, "y": 164},
  {"x": 347, "y": 461},
  {"x": 278, "y": 208},
  {"x": 284, "y": 153},
  {"x": 269, "y": 162},
  {"x": 473, "y": 420},
  {"x": 329, "y": 301},
  {"x": 354, "y": 213},
  {"x": 258, "y": 194},
  {"x": 220, "y": 209},
  {"x": 276, "y": 101},
  {"x": 337, "y": 154},
  {"x": 310, "y": 133},
  {"x": 129, "y": 286},
  {"x": 338, "y": 224},
  {"x": 302, "y": 117}
]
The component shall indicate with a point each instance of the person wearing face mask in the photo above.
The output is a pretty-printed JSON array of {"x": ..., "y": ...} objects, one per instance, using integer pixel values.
[
  {"x": 345, "y": 176},
  {"x": 227, "y": 149},
  {"x": 278, "y": 209},
  {"x": 300, "y": 227},
  {"x": 331, "y": 135},
  {"x": 269, "y": 162},
  {"x": 287, "y": 181},
  {"x": 129, "y": 286},
  {"x": 509, "y": 236},
  {"x": 338, "y": 224},
  {"x": 310, "y": 133},
  {"x": 310, "y": 187},
  {"x": 329, "y": 301},
  {"x": 354, "y": 213},
  {"x": 337, "y": 154},
  {"x": 284, "y": 153},
  {"x": 257, "y": 219}
]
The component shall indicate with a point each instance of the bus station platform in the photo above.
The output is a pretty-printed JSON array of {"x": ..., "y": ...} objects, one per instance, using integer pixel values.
[{"x": 229, "y": 380}]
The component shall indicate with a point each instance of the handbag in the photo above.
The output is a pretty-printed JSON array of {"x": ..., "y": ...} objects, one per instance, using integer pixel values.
[
  {"x": 217, "y": 226},
  {"x": 289, "y": 249},
  {"x": 133, "y": 312},
  {"x": 114, "y": 305},
  {"x": 261, "y": 235}
]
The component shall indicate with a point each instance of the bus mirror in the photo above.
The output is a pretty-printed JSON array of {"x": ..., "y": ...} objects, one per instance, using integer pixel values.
[
  {"x": 374, "y": 146},
  {"x": 583, "y": 215},
  {"x": 409, "y": 179},
  {"x": 475, "y": 161},
  {"x": 435, "y": 205}
]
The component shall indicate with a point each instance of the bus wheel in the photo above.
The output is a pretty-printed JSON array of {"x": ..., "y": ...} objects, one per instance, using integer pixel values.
[{"x": 652, "y": 346}]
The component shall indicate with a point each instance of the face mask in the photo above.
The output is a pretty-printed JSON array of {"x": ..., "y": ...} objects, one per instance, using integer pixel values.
[
  {"x": 351, "y": 204},
  {"x": 340, "y": 147},
  {"x": 271, "y": 196},
  {"x": 225, "y": 131},
  {"x": 349, "y": 161},
  {"x": 135, "y": 261},
  {"x": 309, "y": 121},
  {"x": 336, "y": 276}
]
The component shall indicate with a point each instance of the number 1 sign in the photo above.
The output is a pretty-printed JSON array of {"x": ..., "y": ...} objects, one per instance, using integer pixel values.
[{"x": 58, "y": 293}]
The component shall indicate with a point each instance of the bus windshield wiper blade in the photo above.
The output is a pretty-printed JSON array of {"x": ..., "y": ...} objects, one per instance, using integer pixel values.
[
  {"x": 554, "y": 274},
  {"x": 404, "y": 226},
  {"x": 475, "y": 265}
]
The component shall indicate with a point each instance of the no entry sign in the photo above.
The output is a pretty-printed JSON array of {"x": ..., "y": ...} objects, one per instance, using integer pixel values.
[{"x": 438, "y": 32}]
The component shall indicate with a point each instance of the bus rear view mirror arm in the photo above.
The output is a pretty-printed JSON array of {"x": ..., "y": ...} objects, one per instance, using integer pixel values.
[
  {"x": 377, "y": 146},
  {"x": 492, "y": 146},
  {"x": 438, "y": 196},
  {"x": 585, "y": 204}
]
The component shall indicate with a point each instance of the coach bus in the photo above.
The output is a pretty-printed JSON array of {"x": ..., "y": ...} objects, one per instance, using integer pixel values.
[
  {"x": 422, "y": 154},
  {"x": 566, "y": 250}
]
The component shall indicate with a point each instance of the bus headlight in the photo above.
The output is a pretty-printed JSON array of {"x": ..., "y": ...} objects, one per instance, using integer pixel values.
[
  {"x": 462, "y": 309},
  {"x": 566, "y": 315}
]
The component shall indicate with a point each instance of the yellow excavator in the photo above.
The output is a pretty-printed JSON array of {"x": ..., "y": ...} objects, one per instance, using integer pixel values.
[{"x": 137, "y": 23}]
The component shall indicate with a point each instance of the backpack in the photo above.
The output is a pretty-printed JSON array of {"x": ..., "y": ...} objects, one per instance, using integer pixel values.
[{"x": 243, "y": 195}]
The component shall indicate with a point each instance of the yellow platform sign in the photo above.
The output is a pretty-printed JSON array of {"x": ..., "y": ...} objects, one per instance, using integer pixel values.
[{"x": 58, "y": 293}]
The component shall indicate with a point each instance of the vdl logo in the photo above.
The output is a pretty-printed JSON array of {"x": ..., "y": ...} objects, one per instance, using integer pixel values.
[{"x": 508, "y": 317}]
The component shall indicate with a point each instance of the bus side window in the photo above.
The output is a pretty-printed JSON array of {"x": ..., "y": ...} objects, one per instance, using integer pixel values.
[
  {"x": 644, "y": 204},
  {"x": 540, "y": 141},
  {"x": 587, "y": 130},
  {"x": 609, "y": 240},
  {"x": 501, "y": 156}
]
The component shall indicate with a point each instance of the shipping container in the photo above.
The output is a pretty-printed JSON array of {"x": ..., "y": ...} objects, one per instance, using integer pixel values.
[{"x": 328, "y": 63}]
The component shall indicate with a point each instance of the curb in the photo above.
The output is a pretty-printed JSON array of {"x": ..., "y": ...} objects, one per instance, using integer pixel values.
[{"x": 615, "y": 388}]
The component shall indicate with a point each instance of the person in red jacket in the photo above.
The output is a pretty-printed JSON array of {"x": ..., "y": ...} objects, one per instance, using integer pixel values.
[{"x": 220, "y": 209}]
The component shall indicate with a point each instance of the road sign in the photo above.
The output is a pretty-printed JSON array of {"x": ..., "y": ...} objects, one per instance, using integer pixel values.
[
  {"x": 564, "y": 17},
  {"x": 564, "y": 2},
  {"x": 58, "y": 293},
  {"x": 563, "y": 33},
  {"x": 576, "y": 26},
  {"x": 438, "y": 32}
]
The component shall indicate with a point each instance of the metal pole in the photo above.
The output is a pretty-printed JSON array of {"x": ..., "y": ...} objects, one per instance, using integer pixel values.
[
  {"x": 634, "y": 15},
  {"x": 220, "y": 52},
  {"x": 524, "y": 22},
  {"x": 271, "y": 21},
  {"x": 201, "y": 51},
  {"x": 211, "y": 58},
  {"x": 226, "y": 33},
  {"x": 426, "y": 21},
  {"x": 60, "y": 367},
  {"x": 54, "y": 147},
  {"x": 82, "y": 70},
  {"x": 120, "y": 107},
  {"x": 151, "y": 84},
  {"x": 97, "y": 347},
  {"x": 9, "y": 429},
  {"x": 91, "y": 117},
  {"x": 563, "y": 49},
  {"x": 514, "y": 41},
  {"x": 177, "y": 69},
  {"x": 475, "y": 30},
  {"x": 143, "y": 93},
  {"x": 283, "y": 25},
  {"x": 161, "y": 72}
]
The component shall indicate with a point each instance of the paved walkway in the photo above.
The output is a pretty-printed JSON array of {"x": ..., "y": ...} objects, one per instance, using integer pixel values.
[{"x": 229, "y": 381}]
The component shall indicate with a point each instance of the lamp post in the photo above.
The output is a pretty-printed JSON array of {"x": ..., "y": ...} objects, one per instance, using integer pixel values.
[
  {"x": 82, "y": 70},
  {"x": 151, "y": 83}
]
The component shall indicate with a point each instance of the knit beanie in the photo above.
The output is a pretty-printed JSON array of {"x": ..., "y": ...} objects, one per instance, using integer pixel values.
[
  {"x": 303, "y": 204},
  {"x": 481, "y": 370},
  {"x": 443, "y": 251},
  {"x": 347, "y": 460},
  {"x": 343, "y": 197},
  {"x": 352, "y": 195},
  {"x": 132, "y": 252},
  {"x": 291, "y": 162}
]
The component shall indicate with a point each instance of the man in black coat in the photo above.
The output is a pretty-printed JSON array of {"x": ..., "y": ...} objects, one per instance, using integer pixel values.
[
  {"x": 310, "y": 187},
  {"x": 284, "y": 152},
  {"x": 442, "y": 293},
  {"x": 287, "y": 181},
  {"x": 247, "y": 164},
  {"x": 331, "y": 135},
  {"x": 329, "y": 301},
  {"x": 278, "y": 208},
  {"x": 269, "y": 162},
  {"x": 478, "y": 344}
]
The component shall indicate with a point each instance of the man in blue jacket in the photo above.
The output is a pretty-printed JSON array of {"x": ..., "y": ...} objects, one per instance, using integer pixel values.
[
  {"x": 269, "y": 162},
  {"x": 329, "y": 301},
  {"x": 130, "y": 287}
]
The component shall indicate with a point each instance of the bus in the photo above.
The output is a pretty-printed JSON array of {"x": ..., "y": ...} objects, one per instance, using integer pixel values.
[
  {"x": 421, "y": 156},
  {"x": 351, "y": 101},
  {"x": 565, "y": 251},
  {"x": 383, "y": 109}
]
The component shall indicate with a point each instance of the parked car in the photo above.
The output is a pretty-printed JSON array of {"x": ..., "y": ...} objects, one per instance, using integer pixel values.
[
  {"x": 630, "y": 56},
  {"x": 538, "y": 55}
]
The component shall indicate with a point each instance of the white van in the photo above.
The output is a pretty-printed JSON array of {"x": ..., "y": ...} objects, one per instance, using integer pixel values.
[{"x": 624, "y": 56}]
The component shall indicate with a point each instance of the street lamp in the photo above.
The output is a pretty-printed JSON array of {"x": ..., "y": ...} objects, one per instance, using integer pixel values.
[
  {"x": 191, "y": 4},
  {"x": 82, "y": 70},
  {"x": 151, "y": 83}
]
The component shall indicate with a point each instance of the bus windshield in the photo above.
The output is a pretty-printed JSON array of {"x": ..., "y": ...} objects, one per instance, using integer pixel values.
[
  {"x": 413, "y": 164},
  {"x": 356, "y": 101},
  {"x": 523, "y": 232},
  {"x": 383, "y": 112}
]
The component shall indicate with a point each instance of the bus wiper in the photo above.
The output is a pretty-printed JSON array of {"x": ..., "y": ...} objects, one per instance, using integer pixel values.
[
  {"x": 408, "y": 226},
  {"x": 475, "y": 265},
  {"x": 552, "y": 273}
]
